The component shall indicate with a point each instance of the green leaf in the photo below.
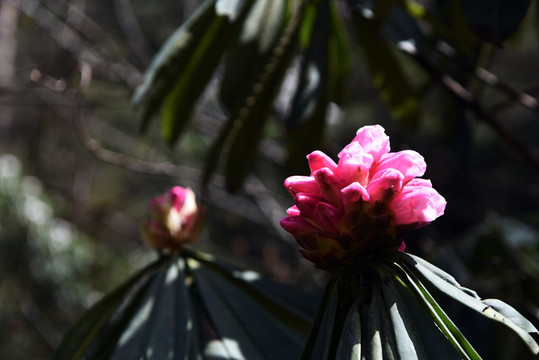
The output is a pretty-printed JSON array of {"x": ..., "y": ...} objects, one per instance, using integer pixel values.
[
  {"x": 245, "y": 61},
  {"x": 307, "y": 117},
  {"x": 173, "y": 56},
  {"x": 85, "y": 330},
  {"x": 291, "y": 306},
  {"x": 197, "y": 72},
  {"x": 400, "y": 26},
  {"x": 134, "y": 342},
  {"x": 350, "y": 345},
  {"x": 185, "y": 64},
  {"x": 388, "y": 78},
  {"x": 418, "y": 335},
  {"x": 494, "y": 21},
  {"x": 230, "y": 8},
  {"x": 170, "y": 330},
  {"x": 445, "y": 324},
  {"x": 237, "y": 317},
  {"x": 339, "y": 57},
  {"x": 374, "y": 337},
  {"x": 246, "y": 58},
  {"x": 319, "y": 345},
  {"x": 462, "y": 295},
  {"x": 249, "y": 125}
]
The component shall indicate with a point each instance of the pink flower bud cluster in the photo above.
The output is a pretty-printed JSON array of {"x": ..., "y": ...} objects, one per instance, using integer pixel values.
[
  {"x": 175, "y": 220},
  {"x": 361, "y": 204}
]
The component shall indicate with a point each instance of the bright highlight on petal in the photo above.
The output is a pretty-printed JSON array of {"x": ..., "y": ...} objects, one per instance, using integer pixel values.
[{"x": 361, "y": 205}]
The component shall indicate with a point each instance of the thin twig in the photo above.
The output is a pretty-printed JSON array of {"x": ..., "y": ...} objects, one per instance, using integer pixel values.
[
  {"x": 491, "y": 79},
  {"x": 467, "y": 98},
  {"x": 70, "y": 39},
  {"x": 132, "y": 31}
]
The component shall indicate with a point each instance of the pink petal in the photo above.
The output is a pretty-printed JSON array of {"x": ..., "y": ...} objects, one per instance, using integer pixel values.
[
  {"x": 385, "y": 185},
  {"x": 293, "y": 211},
  {"x": 177, "y": 196},
  {"x": 306, "y": 204},
  {"x": 418, "y": 204},
  {"x": 329, "y": 186},
  {"x": 408, "y": 162},
  {"x": 374, "y": 140},
  {"x": 327, "y": 217},
  {"x": 354, "y": 167},
  {"x": 318, "y": 160},
  {"x": 298, "y": 226},
  {"x": 301, "y": 184},
  {"x": 354, "y": 192},
  {"x": 402, "y": 247},
  {"x": 419, "y": 182}
]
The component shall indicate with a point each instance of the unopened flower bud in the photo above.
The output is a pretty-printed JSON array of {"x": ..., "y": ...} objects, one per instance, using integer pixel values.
[{"x": 175, "y": 220}]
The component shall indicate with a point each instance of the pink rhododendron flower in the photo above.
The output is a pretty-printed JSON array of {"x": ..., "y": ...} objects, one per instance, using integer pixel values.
[
  {"x": 175, "y": 220},
  {"x": 362, "y": 204}
]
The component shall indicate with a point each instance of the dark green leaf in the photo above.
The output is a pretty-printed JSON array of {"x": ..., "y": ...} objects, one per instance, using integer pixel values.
[
  {"x": 373, "y": 339},
  {"x": 339, "y": 57},
  {"x": 417, "y": 333},
  {"x": 494, "y": 21},
  {"x": 80, "y": 336},
  {"x": 134, "y": 342},
  {"x": 401, "y": 27},
  {"x": 322, "y": 333},
  {"x": 173, "y": 56},
  {"x": 388, "y": 78},
  {"x": 291, "y": 306},
  {"x": 238, "y": 318},
  {"x": 230, "y": 8},
  {"x": 196, "y": 73},
  {"x": 462, "y": 295},
  {"x": 350, "y": 345},
  {"x": 438, "y": 315},
  {"x": 307, "y": 117},
  {"x": 245, "y": 62},
  {"x": 252, "y": 117},
  {"x": 170, "y": 331}
]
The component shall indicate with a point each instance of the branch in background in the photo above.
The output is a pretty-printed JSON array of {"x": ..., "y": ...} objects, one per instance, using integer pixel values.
[
  {"x": 491, "y": 79},
  {"x": 132, "y": 31},
  {"x": 467, "y": 98},
  {"x": 71, "y": 40},
  {"x": 262, "y": 200}
]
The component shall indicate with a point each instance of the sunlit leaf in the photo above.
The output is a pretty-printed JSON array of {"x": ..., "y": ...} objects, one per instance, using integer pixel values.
[
  {"x": 307, "y": 118},
  {"x": 230, "y": 8},
  {"x": 438, "y": 315},
  {"x": 80, "y": 336},
  {"x": 173, "y": 56},
  {"x": 184, "y": 65},
  {"x": 245, "y": 63},
  {"x": 417, "y": 333},
  {"x": 188, "y": 308},
  {"x": 462, "y": 295},
  {"x": 249, "y": 125}
]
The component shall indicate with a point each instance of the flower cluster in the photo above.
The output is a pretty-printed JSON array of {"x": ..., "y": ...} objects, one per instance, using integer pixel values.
[
  {"x": 361, "y": 205},
  {"x": 175, "y": 220}
]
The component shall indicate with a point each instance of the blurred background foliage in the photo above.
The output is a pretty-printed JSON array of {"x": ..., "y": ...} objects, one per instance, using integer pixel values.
[{"x": 455, "y": 80}]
